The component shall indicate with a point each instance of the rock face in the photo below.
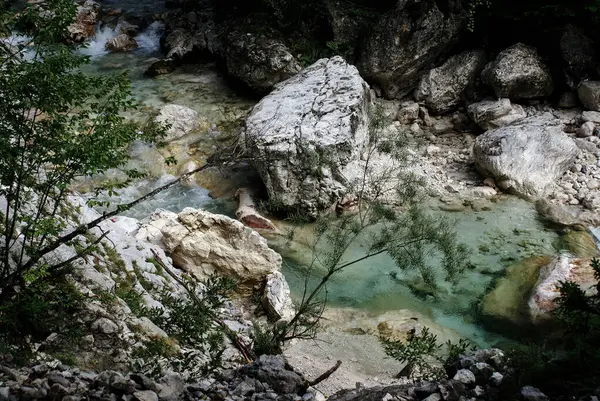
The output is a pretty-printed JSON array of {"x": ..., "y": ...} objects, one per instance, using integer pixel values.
[
  {"x": 258, "y": 61},
  {"x": 85, "y": 23},
  {"x": 443, "y": 89},
  {"x": 406, "y": 41},
  {"x": 121, "y": 43},
  {"x": 527, "y": 156},
  {"x": 589, "y": 95},
  {"x": 518, "y": 73},
  {"x": 182, "y": 120},
  {"x": 492, "y": 114},
  {"x": 563, "y": 268},
  {"x": 276, "y": 298},
  {"x": 303, "y": 135},
  {"x": 203, "y": 244}
]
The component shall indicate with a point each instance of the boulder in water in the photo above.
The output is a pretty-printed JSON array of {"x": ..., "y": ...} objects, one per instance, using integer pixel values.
[
  {"x": 527, "y": 156},
  {"x": 444, "y": 88},
  {"x": 519, "y": 73},
  {"x": 303, "y": 135},
  {"x": 160, "y": 67},
  {"x": 121, "y": 43},
  {"x": 406, "y": 41}
]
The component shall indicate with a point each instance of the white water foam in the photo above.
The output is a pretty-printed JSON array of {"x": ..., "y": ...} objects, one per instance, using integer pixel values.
[{"x": 148, "y": 40}]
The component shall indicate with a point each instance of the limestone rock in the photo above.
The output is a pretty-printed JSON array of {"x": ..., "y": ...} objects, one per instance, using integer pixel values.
[
  {"x": 85, "y": 23},
  {"x": 444, "y": 88},
  {"x": 562, "y": 268},
  {"x": 591, "y": 116},
  {"x": 529, "y": 393},
  {"x": 527, "y": 156},
  {"x": 303, "y": 135},
  {"x": 589, "y": 95},
  {"x": 182, "y": 120},
  {"x": 518, "y": 73},
  {"x": 406, "y": 41},
  {"x": 491, "y": 114},
  {"x": 408, "y": 113},
  {"x": 204, "y": 243},
  {"x": 258, "y": 61},
  {"x": 121, "y": 43},
  {"x": 276, "y": 297}
]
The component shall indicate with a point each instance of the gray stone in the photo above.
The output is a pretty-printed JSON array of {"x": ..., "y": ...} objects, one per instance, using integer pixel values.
[
  {"x": 593, "y": 116},
  {"x": 496, "y": 379},
  {"x": 465, "y": 377},
  {"x": 526, "y": 157},
  {"x": 105, "y": 326},
  {"x": 276, "y": 297},
  {"x": 146, "y": 395},
  {"x": 274, "y": 371},
  {"x": 586, "y": 145},
  {"x": 491, "y": 114},
  {"x": 172, "y": 387},
  {"x": 587, "y": 129},
  {"x": 406, "y": 41},
  {"x": 530, "y": 393},
  {"x": 433, "y": 397},
  {"x": 258, "y": 61},
  {"x": 482, "y": 372},
  {"x": 444, "y": 88},
  {"x": 124, "y": 385},
  {"x": 408, "y": 113},
  {"x": 305, "y": 133},
  {"x": 518, "y": 73},
  {"x": 589, "y": 95},
  {"x": 4, "y": 393}
]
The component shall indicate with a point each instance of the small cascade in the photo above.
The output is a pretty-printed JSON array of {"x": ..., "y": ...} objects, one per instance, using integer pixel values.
[
  {"x": 96, "y": 47},
  {"x": 148, "y": 40}
]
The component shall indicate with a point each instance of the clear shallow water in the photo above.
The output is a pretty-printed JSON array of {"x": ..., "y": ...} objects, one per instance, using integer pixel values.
[{"x": 508, "y": 233}]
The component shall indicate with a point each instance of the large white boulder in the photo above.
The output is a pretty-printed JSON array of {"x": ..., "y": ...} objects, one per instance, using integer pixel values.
[
  {"x": 303, "y": 135},
  {"x": 203, "y": 244},
  {"x": 527, "y": 156}
]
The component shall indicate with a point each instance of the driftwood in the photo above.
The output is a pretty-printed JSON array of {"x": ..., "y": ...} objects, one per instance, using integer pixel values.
[{"x": 326, "y": 375}]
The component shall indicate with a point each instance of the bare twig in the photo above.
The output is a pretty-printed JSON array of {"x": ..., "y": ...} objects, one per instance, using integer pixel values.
[{"x": 326, "y": 375}]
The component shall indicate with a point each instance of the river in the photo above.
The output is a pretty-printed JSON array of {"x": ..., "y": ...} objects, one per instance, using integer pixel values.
[{"x": 510, "y": 232}]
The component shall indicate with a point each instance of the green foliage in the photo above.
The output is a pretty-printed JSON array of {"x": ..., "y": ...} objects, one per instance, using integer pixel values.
[
  {"x": 37, "y": 311},
  {"x": 191, "y": 322},
  {"x": 414, "y": 239},
  {"x": 57, "y": 124},
  {"x": 424, "y": 356},
  {"x": 265, "y": 340}
]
